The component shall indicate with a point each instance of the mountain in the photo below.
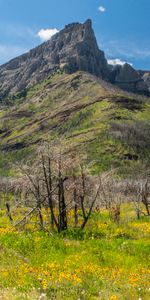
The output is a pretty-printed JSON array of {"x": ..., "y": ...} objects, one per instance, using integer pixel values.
[
  {"x": 146, "y": 77},
  {"x": 108, "y": 126},
  {"x": 129, "y": 79},
  {"x": 65, "y": 89},
  {"x": 73, "y": 48}
]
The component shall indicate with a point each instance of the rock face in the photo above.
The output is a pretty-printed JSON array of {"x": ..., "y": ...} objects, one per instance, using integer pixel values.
[
  {"x": 73, "y": 48},
  {"x": 146, "y": 77},
  {"x": 127, "y": 78}
]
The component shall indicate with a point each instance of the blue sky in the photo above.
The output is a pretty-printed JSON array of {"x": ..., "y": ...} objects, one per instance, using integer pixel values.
[{"x": 122, "y": 27}]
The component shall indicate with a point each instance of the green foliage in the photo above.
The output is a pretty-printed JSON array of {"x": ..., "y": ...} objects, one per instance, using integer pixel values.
[
  {"x": 7, "y": 159},
  {"x": 103, "y": 261},
  {"x": 83, "y": 111}
]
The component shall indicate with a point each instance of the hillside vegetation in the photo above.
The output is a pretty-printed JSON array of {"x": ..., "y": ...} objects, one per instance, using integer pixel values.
[
  {"x": 105, "y": 261},
  {"x": 74, "y": 216},
  {"x": 110, "y": 127},
  {"x": 74, "y": 174}
]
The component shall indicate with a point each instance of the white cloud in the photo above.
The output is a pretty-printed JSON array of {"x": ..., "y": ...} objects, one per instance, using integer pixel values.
[
  {"x": 46, "y": 34},
  {"x": 117, "y": 61},
  {"x": 102, "y": 9}
]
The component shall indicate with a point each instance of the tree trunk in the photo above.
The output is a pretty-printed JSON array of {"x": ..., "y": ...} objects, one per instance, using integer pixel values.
[
  {"x": 75, "y": 207},
  {"x": 62, "y": 207}
]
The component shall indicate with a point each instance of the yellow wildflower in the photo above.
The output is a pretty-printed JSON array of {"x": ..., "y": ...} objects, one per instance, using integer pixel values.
[{"x": 113, "y": 297}]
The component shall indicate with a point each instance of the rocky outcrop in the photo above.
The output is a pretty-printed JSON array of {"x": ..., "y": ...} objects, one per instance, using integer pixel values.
[
  {"x": 146, "y": 77},
  {"x": 73, "y": 48},
  {"x": 127, "y": 78}
]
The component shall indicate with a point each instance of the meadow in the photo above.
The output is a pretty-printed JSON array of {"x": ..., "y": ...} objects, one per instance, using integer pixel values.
[
  {"x": 105, "y": 261},
  {"x": 74, "y": 143}
]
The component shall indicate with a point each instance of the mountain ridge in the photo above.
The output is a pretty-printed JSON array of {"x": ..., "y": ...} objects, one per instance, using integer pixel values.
[
  {"x": 73, "y": 48},
  {"x": 70, "y": 49},
  {"x": 88, "y": 112}
]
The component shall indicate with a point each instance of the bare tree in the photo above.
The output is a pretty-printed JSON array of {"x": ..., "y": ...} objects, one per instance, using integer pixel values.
[
  {"x": 111, "y": 194},
  {"x": 139, "y": 191},
  {"x": 57, "y": 180}
]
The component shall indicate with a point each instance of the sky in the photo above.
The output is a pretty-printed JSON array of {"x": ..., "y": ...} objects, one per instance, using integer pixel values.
[{"x": 122, "y": 27}]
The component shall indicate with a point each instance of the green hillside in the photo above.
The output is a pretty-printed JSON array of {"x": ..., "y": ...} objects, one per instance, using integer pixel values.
[{"x": 108, "y": 125}]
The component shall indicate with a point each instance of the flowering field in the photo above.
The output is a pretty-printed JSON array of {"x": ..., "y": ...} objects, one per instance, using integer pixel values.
[{"x": 105, "y": 261}]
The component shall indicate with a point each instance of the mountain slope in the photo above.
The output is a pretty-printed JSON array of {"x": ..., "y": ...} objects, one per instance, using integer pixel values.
[
  {"x": 146, "y": 77},
  {"x": 73, "y": 48},
  {"x": 61, "y": 90},
  {"x": 129, "y": 79},
  {"x": 95, "y": 118}
]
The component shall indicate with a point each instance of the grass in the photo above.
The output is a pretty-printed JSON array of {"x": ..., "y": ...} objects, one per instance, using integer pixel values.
[
  {"x": 83, "y": 110},
  {"x": 105, "y": 261}
]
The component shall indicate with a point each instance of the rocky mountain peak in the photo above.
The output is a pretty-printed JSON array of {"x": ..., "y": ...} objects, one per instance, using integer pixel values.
[
  {"x": 129, "y": 79},
  {"x": 73, "y": 48}
]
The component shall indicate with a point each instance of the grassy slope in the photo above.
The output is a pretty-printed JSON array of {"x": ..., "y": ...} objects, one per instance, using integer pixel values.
[
  {"x": 105, "y": 262},
  {"x": 76, "y": 106}
]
